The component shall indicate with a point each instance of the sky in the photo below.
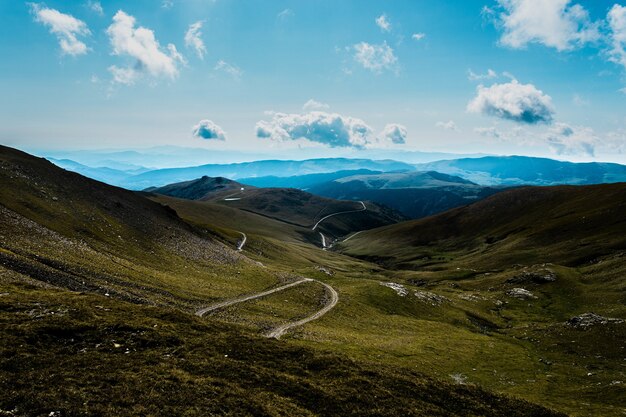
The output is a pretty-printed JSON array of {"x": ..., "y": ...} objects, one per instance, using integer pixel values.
[{"x": 323, "y": 78}]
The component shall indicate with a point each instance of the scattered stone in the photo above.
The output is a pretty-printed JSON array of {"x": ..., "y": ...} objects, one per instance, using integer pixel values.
[
  {"x": 325, "y": 270},
  {"x": 520, "y": 293},
  {"x": 591, "y": 319},
  {"x": 398, "y": 288},
  {"x": 471, "y": 297},
  {"x": 542, "y": 276},
  {"x": 417, "y": 282},
  {"x": 459, "y": 378},
  {"x": 430, "y": 298}
]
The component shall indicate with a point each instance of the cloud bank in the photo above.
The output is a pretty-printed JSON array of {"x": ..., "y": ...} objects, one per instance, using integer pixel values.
[
  {"x": 522, "y": 103},
  {"x": 395, "y": 134},
  {"x": 65, "y": 27},
  {"x": 555, "y": 23},
  {"x": 206, "y": 129},
  {"x": 330, "y": 129},
  {"x": 141, "y": 45}
]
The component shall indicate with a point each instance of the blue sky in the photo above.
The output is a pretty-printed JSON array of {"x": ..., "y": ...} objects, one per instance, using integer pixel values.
[{"x": 532, "y": 77}]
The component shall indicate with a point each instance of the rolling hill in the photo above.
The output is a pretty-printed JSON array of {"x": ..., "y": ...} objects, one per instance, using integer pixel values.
[
  {"x": 295, "y": 207},
  {"x": 522, "y": 170},
  {"x": 415, "y": 194},
  {"x": 566, "y": 224}
]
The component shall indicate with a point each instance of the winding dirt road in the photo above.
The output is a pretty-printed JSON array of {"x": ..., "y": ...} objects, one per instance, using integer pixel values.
[
  {"x": 280, "y": 330},
  {"x": 339, "y": 212},
  {"x": 241, "y": 242},
  {"x": 238, "y": 300},
  {"x": 334, "y": 298}
]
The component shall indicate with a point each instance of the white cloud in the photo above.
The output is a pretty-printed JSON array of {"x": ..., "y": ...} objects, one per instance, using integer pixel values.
[
  {"x": 580, "y": 101},
  {"x": 622, "y": 90},
  {"x": 553, "y": 23},
  {"x": 449, "y": 125},
  {"x": 564, "y": 139},
  {"x": 521, "y": 103},
  {"x": 314, "y": 105},
  {"x": 141, "y": 45},
  {"x": 331, "y": 129},
  {"x": 617, "y": 23},
  {"x": 472, "y": 76},
  {"x": 232, "y": 70},
  {"x": 383, "y": 23},
  {"x": 375, "y": 58},
  {"x": 206, "y": 129},
  {"x": 65, "y": 27},
  {"x": 394, "y": 133},
  {"x": 418, "y": 36},
  {"x": 491, "y": 132},
  {"x": 193, "y": 39},
  {"x": 285, "y": 14},
  {"x": 167, "y": 4},
  {"x": 95, "y": 7}
]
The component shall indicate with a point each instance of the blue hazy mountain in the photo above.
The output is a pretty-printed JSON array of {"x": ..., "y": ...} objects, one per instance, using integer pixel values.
[
  {"x": 237, "y": 171},
  {"x": 415, "y": 194},
  {"x": 518, "y": 170}
]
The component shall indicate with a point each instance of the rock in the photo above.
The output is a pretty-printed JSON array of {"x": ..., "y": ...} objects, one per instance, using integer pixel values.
[
  {"x": 325, "y": 270},
  {"x": 520, "y": 293},
  {"x": 430, "y": 298},
  {"x": 542, "y": 276},
  {"x": 398, "y": 288},
  {"x": 417, "y": 282},
  {"x": 591, "y": 319}
]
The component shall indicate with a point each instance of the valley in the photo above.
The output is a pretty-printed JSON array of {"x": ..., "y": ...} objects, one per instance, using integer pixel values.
[{"x": 470, "y": 311}]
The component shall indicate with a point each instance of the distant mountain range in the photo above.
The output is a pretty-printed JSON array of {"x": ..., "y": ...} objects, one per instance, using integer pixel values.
[
  {"x": 485, "y": 171},
  {"x": 522, "y": 170}
]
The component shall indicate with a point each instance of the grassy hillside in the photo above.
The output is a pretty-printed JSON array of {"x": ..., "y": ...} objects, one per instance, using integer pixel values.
[
  {"x": 543, "y": 267},
  {"x": 567, "y": 225},
  {"x": 297, "y": 208}
]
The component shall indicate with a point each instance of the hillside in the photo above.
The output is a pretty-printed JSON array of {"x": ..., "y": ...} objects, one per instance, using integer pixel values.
[
  {"x": 295, "y": 207},
  {"x": 415, "y": 194},
  {"x": 566, "y": 224},
  {"x": 520, "y": 170}
]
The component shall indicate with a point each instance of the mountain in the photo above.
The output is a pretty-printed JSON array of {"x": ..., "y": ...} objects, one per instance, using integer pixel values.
[
  {"x": 517, "y": 170},
  {"x": 288, "y": 205},
  {"x": 415, "y": 194},
  {"x": 105, "y": 174},
  {"x": 205, "y": 188},
  {"x": 162, "y": 177},
  {"x": 569, "y": 225},
  {"x": 543, "y": 266},
  {"x": 302, "y": 182}
]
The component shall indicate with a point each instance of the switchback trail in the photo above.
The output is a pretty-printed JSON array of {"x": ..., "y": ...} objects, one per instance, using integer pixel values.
[
  {"x": 340, "y": 212},
  {"x": 280, "y": 330},
  {"x": 238, "y": 300},
  {"x": 334, "y": 298}
]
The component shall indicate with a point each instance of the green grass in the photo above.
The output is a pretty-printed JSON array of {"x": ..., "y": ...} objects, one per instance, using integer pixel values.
[{"x": 100, "y": 357}]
